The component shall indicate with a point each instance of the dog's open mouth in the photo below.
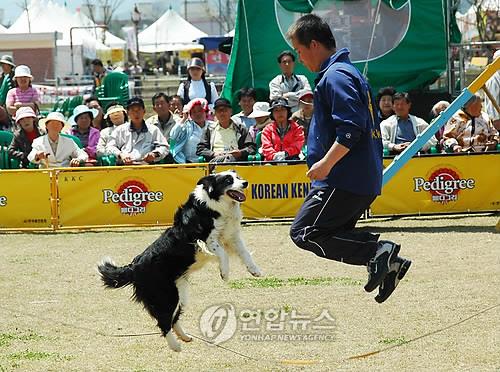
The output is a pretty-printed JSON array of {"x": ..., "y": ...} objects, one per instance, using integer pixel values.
[{"x": 236, "y": 195}]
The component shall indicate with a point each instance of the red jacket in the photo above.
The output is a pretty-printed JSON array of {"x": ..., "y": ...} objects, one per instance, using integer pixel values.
[{"x": 292, "y": 142}]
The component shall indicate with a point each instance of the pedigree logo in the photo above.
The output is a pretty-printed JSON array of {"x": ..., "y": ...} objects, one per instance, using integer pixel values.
[
  {"x": 3, "y": 201},
  {"x": 444, "y": 185},
  {"x": 132, "y": 197}
]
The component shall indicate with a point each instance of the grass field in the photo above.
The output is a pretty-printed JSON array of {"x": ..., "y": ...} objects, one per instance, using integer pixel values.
[{"x": 56, "y": 316}]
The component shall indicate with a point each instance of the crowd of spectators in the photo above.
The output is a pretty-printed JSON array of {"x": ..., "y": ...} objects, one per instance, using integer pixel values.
[{"x": 197, "y": 126}]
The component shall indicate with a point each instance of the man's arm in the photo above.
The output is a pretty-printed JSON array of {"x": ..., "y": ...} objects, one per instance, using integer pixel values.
[{"x": 322, "y": 168}]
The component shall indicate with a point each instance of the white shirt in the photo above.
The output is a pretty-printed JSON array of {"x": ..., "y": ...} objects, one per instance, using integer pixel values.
[
  {"x": 66, "y": 150},
  {"x": 197, "y": 90},
  {"x": 125, "y": 141}
]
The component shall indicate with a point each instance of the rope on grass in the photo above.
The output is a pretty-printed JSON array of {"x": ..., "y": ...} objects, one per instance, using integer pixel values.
[{"x": 298, "y": 362}]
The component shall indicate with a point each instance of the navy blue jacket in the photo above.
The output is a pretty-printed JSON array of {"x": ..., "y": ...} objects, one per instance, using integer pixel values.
[{"x": 344, "y": 111}]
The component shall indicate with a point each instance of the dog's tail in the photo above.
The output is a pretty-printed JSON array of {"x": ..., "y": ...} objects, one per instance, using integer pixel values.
[{"x": 114, "y": 276}]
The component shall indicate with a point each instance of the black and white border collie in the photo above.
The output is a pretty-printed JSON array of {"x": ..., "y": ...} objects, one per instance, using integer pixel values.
[{"x": 207, "y": 226}]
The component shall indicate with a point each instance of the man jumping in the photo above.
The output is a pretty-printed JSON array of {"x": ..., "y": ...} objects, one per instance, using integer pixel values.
[{"x": 345, "y": 162}]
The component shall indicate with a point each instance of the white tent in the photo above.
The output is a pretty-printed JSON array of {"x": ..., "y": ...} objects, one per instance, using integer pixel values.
[
  {"x": 2, "y": 29},
  {"x": 170, "y": 32},
  {"x": 47, "y": 16}
]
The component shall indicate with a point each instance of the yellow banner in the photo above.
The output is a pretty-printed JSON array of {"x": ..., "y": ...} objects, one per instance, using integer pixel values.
[
  {"x": 25, "y": 199},
  {"x": 274, "y": 190},
  {"x": 442, "y": 184},
  {"x": 123, "y": 196}
]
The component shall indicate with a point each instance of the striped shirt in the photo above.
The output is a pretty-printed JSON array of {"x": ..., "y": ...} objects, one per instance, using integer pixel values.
[{"x": 29, "y": 95}]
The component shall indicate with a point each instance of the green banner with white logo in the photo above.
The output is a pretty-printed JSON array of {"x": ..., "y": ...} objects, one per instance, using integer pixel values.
[{"x": 399, "y": 43}]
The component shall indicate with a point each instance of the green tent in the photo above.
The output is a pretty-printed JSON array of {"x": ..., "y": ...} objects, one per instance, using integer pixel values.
[{"x": 406, "y": 49}]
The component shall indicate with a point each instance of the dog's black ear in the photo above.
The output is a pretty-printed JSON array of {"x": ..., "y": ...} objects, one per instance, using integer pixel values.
[{"x": 207, "y": 182}]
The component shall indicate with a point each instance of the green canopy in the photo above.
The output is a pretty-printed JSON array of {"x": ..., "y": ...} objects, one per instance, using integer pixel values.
[{"x": 408, "y": 49}]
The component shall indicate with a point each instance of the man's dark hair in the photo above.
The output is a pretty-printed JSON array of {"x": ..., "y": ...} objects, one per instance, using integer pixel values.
[
  {"x": 97, "y": 62},
  {"x": 385, "y": 91},
  {"x": 401, "y": 95},
  {"x": 160, "y": 95},
  {"x": 311, "y": 27},
  {"x": 178, "y": 97},
  {"x": 90, "y": 99},
  {"x": 286, "y": 53},
  {"x": 247, "y": 92}
]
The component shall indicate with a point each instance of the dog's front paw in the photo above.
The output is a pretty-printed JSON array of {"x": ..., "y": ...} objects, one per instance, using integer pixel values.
[
  {"x": 186, "y": 338},
  {"x": 255, "y": 271},
  {"x": 224, "y": 275}
]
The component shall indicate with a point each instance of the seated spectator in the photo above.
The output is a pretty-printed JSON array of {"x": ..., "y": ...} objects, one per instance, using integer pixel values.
[
  {"x": 81, "y": 123},
  {"x": 304, "y": 115},
  {"x": 196, "y": 85},
  {"x": 384, "y": 102},
  {"x": 224, "y": 140},
  {"x": 493, "y": 86},
  {"x": 400, "y": 129},
  {"x": 115, "y": 116},
  {"x": 24, "y": 95},
  {"x": 246, "y": 99},
  {"x": 260, "y": 113},
  {"x": 5, "y": 123},
  {"x": 164, "y": 118},
  {"x": 24, "y": 136},
  {"x": 7, "y": 80},
  {"x": 187, "y": 133},
  {"x": 98, "y": 122},
  {"x": 288, "y": 85},
  {"x": 176, "y": 105},
  {"x": 283, "y": 138},
  {"x": 136, "y": 142},
  {"x": 54, "y": 150},
  {"x": 470, "y": 129},
  {"x": 437, "y": 109}
]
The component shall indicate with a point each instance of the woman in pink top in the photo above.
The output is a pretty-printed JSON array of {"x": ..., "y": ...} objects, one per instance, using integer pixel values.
[{"x": 24, "y": 94}]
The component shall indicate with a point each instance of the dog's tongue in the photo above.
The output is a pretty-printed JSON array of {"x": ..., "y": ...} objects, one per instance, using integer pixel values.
[{"x": 236, "y": 195}]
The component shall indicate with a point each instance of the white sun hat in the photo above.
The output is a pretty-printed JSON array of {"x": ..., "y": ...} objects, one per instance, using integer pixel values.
[
  {"x": 260, "y": 109},
  {"x": 22, "y": 71}
]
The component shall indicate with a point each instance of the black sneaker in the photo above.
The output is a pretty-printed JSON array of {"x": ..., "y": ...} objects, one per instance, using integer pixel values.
[
  {"x": 398, "y": 270},
  {"x": 378, "y": 266}
]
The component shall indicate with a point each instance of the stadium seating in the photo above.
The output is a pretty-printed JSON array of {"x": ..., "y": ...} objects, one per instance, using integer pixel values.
[
  {"x": 114, "y": 87},
  {"x": 6, "y": 162}
]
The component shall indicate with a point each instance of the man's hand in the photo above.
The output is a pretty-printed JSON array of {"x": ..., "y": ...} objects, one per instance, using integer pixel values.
[
  {"x": 127, "y": 160},
  {"x": 236, "y": 153},
  {"x": 74, "y": 163},
  {"x": 319, "y": 170},
  {"x": 150, "y": 157},
  {"x": 40, "y": 155},
  {"x": 400, "y": 147}
]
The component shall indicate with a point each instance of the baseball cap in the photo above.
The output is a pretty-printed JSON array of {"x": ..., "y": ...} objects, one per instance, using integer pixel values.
[
  {"x": 135, "y": 101},
  {"x": 221, "y": 102},
  {"x": 196, "y": 62},
  {"x": 305, "y": 94}
]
